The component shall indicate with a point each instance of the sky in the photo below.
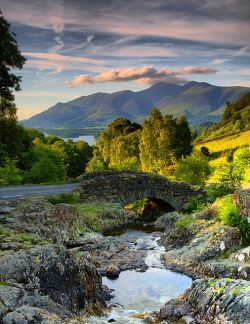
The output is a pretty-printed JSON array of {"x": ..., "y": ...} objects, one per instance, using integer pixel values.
[{"x": 79, "y": 47}]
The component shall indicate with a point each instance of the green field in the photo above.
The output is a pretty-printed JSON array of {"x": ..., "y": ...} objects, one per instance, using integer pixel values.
[{"x": 227, "y": 142}]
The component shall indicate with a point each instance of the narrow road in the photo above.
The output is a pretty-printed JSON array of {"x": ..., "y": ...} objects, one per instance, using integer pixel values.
[{"x": 13, "y": 192}]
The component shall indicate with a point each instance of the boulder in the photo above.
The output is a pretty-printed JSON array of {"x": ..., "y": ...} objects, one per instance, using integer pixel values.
[
  {"x": 242, "y": 199},
  {"x": 211, "y": 301},
  {"x": 49, "y": 277},
  {"x": 112, "y": 272}
]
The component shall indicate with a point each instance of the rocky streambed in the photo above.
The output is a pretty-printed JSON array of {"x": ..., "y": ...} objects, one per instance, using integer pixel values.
[
  {"x": 54, "y": 268},
  {"x": 139, "y": 292}
]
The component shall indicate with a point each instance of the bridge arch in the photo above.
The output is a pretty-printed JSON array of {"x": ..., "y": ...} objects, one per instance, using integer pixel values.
[{"x": 126, "y": 186}]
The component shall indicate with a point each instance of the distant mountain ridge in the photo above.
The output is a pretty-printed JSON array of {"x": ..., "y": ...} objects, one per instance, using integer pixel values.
[{"x": 201, "y": 102}]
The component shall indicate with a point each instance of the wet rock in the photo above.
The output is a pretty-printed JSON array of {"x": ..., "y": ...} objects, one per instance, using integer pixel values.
[
  {"x": 112, "y": 272},
  {"x": 174, "y": 311}
]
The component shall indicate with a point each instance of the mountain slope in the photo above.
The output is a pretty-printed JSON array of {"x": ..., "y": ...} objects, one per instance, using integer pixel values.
[{"x": 196, "y": 100}]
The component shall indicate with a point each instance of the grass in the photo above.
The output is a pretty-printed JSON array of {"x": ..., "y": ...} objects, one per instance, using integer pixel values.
[
  {"x": 185, "y": 221},
  {"x": 97, "y": 215},
  {"x": 226, "y": 143},
  {"x": 67, "y": 198}
]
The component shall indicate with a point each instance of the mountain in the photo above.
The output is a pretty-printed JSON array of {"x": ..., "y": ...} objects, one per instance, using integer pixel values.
[{"x": 198, "y": 100}]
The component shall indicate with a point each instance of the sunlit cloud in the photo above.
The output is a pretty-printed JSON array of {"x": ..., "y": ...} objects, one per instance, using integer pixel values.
[
  {"x": 141, "y": 75},
  {"x": 219, "y": 61}
]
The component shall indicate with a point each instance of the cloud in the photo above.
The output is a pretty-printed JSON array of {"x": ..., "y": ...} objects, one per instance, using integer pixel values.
[
  {"x": 219, "y": 61},
  {"x": 61, "y": 58},
  {"x": 57, "y": 62},
  {"x": 195, "y": 70},
  {"x": 141, "y": 75},
  {"x": 90, "y": 38}
]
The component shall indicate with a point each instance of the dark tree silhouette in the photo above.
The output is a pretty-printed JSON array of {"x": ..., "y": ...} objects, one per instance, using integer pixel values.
[{"x": 10, "y": 57}]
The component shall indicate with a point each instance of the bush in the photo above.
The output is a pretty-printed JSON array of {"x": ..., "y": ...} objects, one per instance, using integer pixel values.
[
  {"x": 67, "y": 198},
  {"x": 9, "y": 173},
  {"x": 195, "y": 205},
  {"x": 229, "y": 215},
  {"x": 217, "y": 190},
  {"x": 46, "y": 170},
  {"x": 227, "y": 212},
  {"x": 184, "y": 221},
  {"x": 194, "y": 169}
]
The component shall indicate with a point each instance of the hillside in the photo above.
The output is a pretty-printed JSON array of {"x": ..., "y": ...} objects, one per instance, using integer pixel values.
[
  {"x": 196, "y": 100},
  {"x": 226, "y": 143},
  {"x": 235, "y": 118}
]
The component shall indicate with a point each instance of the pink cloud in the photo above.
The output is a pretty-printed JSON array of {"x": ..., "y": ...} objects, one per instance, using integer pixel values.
[
  {"x": 140, "y": 75},
  {"x": 195, "y": 70}
]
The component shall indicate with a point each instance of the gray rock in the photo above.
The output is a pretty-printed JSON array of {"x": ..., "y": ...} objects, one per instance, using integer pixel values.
[
  {"x": 49, "y": 277},
  {"x": 34, "y": 315}
]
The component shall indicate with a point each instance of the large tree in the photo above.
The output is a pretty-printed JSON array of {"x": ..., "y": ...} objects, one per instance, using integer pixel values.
[
  {"x": 11, "y": 133},
  {"x": 157, "y": 142},
  {"x": 10, "y": 57}
]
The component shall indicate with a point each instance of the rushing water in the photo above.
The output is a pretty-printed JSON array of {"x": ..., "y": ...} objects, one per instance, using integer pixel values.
[{"x": 136, "y": 292}]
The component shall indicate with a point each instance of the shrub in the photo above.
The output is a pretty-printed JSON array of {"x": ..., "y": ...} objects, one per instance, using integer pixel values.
[
  {"x": 229, "y": 215},
  {"x": 46, "y": 170},
  {"x": 184, "y": 221},
  {"x": 67, "y": 198},
  {"x": 205, "y": 151},
  {"x": 9, "y": 173},
  {"x": 227, "y": 212},
  {"x": 194, "y": 169},
  {"x": 195, "y": 205},
  {"x": 217, "y": 190}
]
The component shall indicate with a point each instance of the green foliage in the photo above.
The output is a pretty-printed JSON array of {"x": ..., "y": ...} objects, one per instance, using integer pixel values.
[
  {"x": 219, "y": 189},
  {"x": 97, "y": 163},
  {"x": 184, "y": 221},
  {"x": 183, "y": 146},
  {"x": 233, "y": 172},
  {"x": 205, "y": 151},
  {"x": 195, "y": 205},
  {"x": 67, "y": 198},
  {"x": 9, "y": 173},
  {"x": 227, "y": 212},
  {"x": 117, "y": 147},
  {"x": 10, "y": 57},
  {"x": 194, "y": 169},
  {"x": 229, "y": 215},
  {"x": 46, "y": 169},
  {"x": 236, "y": 118},
  {"x": 98, "y": 215},
  {"x": 138, "y": 204}
]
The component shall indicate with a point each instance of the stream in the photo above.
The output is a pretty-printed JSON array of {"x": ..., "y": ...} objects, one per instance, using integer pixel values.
[{"x": 137, "y": 292}]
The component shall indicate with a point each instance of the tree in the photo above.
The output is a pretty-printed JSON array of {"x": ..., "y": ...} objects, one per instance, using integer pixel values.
[
  {"x": 183, "y": 138},
  {"x": 10, "y": 57},
  {"x": 97, "y": 162},
  {"x": 205, "y": 151},
  {"x": 120, "y": 127},
  {"x": 194, "y": 169},
  {"x": 233, "y": 172},
  {"x": 124, "y": 152},
  {"x": 158, "y": 142}
]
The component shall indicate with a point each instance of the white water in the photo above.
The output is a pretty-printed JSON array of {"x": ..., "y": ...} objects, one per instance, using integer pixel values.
[{"x": 137, "y": 292}]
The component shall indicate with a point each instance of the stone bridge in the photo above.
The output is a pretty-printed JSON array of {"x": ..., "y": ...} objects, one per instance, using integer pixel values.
[{"x": 127, "y": 186}]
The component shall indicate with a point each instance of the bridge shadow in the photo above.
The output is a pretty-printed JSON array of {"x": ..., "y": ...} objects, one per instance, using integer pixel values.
[{"x": 153, "y": 208}]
